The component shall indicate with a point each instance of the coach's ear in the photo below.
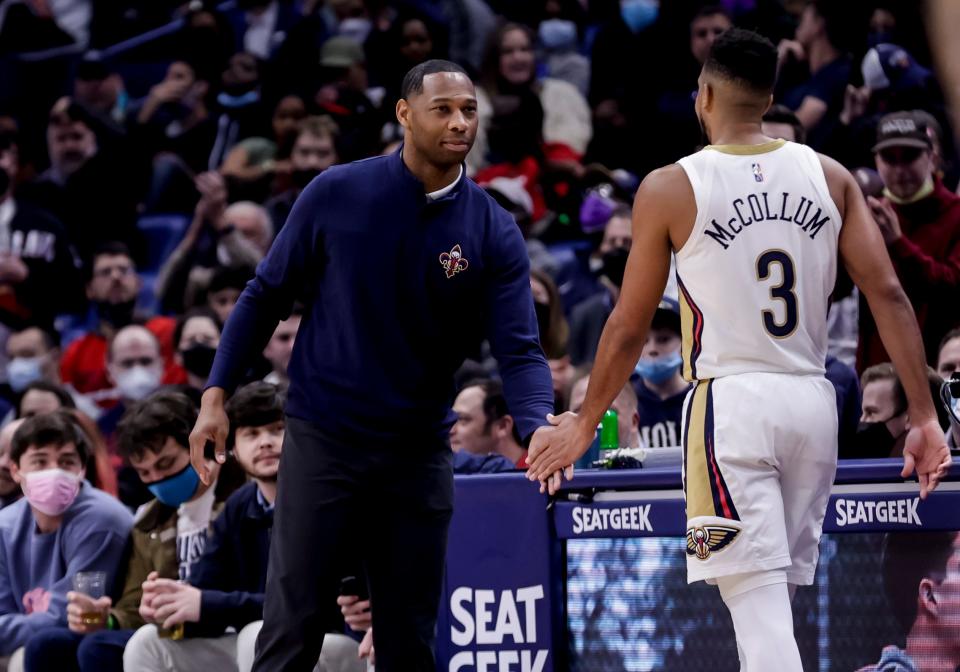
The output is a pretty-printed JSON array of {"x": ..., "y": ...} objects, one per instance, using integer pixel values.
[{"x": 403, "y": 113}]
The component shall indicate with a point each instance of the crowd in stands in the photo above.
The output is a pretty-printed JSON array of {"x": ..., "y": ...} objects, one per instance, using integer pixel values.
[{"x": 151, "y": 151}]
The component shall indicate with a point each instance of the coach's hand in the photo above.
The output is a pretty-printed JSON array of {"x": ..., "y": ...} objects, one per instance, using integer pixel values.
[
  {"x": 212, "y": 425},
  {"x": 926, "y": 451},
  {"x": 553, "y": 449}
]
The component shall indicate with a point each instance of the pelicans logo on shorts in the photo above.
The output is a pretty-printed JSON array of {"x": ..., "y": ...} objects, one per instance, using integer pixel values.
[
  {"x": 706, "y": 539},
  {"x": 453, "y": 261}
]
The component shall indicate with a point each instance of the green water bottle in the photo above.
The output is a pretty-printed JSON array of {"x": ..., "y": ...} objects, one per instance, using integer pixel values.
[{"x": 609, "y": 434}]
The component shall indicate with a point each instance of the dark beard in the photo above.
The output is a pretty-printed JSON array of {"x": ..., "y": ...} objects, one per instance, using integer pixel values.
[{"x": 117, "y": 315}]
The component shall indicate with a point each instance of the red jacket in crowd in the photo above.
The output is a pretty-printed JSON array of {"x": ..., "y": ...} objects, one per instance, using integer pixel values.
[{"x": 927, "y": 261}]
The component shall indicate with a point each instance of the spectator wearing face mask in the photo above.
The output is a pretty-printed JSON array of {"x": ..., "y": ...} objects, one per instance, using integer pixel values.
[
  {"x": 135, "y": 370},
  {"x": 112, "y": 288},
  {"x": 948, "y": 363},
  {"x": 166, "y": 541},
  {"x": 314, "y": 150},
  {"x": 625, "y": 108},
  {"x": 589, "y": 316},
  {"x": 32, "y": 354},
  {"x": 42, "y": 398},
  {"x": 62, "y": 526},
  {"x": 883, "y": 423},
  {"x": 239, "y": 110},
  {"x": 659, "y": 381},
  {"x": 920, "y": 222},
  {"x": 559, "y": 36},
  {"x": 226, "y": 587},
  {"x": 197, "y": 336}
]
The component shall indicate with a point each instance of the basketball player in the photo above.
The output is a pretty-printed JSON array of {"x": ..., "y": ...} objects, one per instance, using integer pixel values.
[{"x": 756, "y": 225}]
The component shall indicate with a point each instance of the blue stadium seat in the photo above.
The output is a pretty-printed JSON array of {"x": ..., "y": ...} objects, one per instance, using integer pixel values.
[{"x": 163, "y": 233}]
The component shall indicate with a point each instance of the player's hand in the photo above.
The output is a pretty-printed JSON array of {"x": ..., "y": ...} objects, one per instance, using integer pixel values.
[
  {"x": 926, "y": 452},
  {"x": 554, "y": 448},
  {"x": 175, "y": 603},
  {"x": 886, "y": 219},
  {"x": 212, "y": 425},
  {"x": 356, "y": 612},
  {"x": 80, "y": 606}
]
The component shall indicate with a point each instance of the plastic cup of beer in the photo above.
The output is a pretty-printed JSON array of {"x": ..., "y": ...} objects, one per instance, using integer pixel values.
[{"x": 94, "y": 586}]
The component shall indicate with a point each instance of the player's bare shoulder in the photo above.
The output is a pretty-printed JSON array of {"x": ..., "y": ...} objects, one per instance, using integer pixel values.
[
  {"x": 839, "y": 181},
  {"x": 665, "y": 199}
]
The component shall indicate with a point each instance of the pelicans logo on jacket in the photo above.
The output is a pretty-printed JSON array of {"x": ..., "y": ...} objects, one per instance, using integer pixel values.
[{"x": 453, "y": 261}]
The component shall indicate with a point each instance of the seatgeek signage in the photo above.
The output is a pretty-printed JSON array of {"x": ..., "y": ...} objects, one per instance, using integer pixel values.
[
  {"x": 883, "y": 507},
  {"x": 498, "y": 612}
]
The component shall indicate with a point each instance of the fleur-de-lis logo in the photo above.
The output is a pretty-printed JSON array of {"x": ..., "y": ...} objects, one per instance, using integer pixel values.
[{"x": 453, "y": 261}]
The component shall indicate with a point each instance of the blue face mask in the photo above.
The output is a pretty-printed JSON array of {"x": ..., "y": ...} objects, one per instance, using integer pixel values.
[
  {"x": 638, "y": 14},
  {"x": 21, "y": 371},
  {"x": 658, "y": 371},
  {"x": 177, "y": 489},
  {"x": 557, "y": 34}
]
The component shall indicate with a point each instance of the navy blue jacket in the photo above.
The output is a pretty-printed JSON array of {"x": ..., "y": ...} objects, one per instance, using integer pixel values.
[
  {"x": 398, "y": 290},
  {"x": 232, "y": 573},
  {"x": 465, "y": 463}
]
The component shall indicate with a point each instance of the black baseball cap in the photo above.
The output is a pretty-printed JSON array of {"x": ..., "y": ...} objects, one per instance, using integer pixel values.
[
  {"x": 902, "y": 129},
  {"x": 667, "y": 315}
]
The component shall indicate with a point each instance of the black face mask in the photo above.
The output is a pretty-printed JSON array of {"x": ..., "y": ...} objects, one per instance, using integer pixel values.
[
  {"x": 543, "y": 317},
  {"x": 198, "y": 359},
  {"x": 118, "y": 315},
  {"x": 303, "y": 176},
  {"x": 615, "y": 265},
  {"x": 874, "y": 439}
]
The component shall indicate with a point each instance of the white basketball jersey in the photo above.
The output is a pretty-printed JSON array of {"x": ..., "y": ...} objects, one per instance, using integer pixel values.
[{"x": 756, "y": 273}]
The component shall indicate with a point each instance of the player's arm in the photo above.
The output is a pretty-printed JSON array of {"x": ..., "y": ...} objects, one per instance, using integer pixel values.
[
  {"x": 665, "y": 196},
  {"x": 865, "y": 256}
]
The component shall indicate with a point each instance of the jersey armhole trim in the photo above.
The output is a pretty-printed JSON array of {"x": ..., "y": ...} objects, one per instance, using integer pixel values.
[{"x": 697, "y": 185}]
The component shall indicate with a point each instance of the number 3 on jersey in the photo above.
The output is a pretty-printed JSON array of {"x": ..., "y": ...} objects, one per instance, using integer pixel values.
[{"x": 783, "y": 292}]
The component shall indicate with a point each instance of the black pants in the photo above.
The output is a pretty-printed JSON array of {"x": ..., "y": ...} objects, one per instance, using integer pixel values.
[{"x": 389, "y": 504}]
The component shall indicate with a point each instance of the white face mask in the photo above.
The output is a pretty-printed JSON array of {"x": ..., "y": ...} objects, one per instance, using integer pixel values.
[{"x": 138, "y": 382}]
